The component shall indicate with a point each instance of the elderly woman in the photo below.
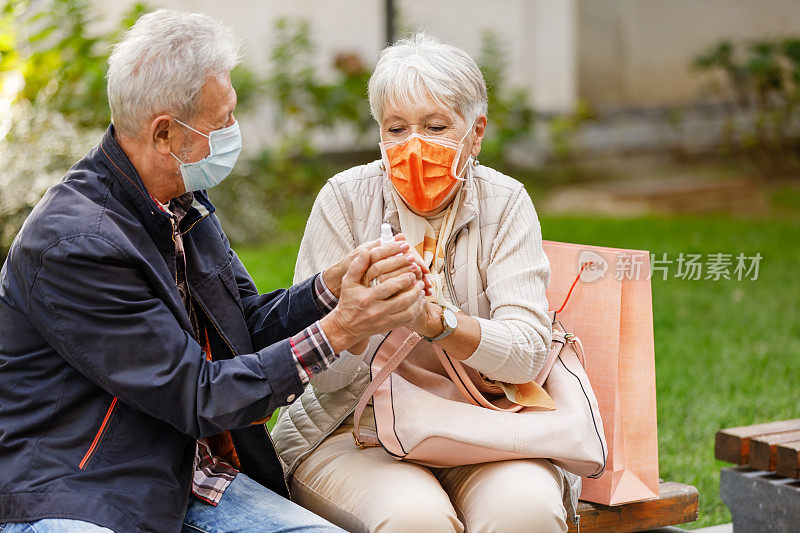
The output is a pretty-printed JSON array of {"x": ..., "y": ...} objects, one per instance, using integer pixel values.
[{"x": 469, "y": 224}]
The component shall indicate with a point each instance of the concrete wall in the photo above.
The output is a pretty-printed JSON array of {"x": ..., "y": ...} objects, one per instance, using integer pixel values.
[
  {"x": 637, "y": 53},
  {"x": 539, "y": 37}
]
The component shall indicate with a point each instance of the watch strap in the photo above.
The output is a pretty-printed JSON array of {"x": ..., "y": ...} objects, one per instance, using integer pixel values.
[{"x": 447, "y": 329}]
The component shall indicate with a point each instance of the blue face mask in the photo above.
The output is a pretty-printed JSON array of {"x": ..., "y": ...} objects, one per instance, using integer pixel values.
[{"x": 224, "y": 145}]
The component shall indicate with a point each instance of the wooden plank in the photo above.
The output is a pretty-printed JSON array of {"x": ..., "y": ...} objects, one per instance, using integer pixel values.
[
  {"x": 733, "y": 444},
  {"x": 763, "y": 449},
  {"x": 787, "y": 462},
  {"x": 677, "y": 504}
]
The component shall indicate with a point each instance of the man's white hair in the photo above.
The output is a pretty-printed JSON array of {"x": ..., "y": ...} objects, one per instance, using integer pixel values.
[
  {"x": 413, "y": 69},
  {"x": 162, "y": 63}
]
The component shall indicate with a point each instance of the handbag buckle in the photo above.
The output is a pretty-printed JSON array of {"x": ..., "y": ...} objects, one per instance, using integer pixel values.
[{"x": 359, "y": 444}]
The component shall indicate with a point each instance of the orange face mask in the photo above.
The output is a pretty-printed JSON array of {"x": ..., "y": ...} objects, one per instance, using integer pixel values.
[{"x": 423, "y": 169}]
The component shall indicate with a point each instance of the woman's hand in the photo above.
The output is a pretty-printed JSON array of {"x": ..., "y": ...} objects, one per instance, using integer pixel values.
[
  {"x": 365, "y": 311},
  {"x": 429, "y": 322},
  {"x": 385, "y": 262}
]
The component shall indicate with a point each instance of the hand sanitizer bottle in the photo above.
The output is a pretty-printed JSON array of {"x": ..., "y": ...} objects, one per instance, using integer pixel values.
[
  {"x": 387, "y": 238},
  {"x": 386, "y": 234}
]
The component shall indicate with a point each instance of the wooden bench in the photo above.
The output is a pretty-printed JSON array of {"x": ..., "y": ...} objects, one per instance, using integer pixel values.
[
  {"x": 677, "y": 504},
  {"x": 772, "y": 447},
  {"x": 762, "y": 492}
]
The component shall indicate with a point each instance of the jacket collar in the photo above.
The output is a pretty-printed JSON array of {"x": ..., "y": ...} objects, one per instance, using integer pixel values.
[
  {"x": 467, "y": 208},
  {"x": 137, "y": 197}
]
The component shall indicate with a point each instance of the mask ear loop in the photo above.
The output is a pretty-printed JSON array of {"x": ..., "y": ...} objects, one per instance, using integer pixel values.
[
  {"x": 463, "y": 170},
  {"x": 457, "y": 176},
  {"x": 194, "y": 130}
]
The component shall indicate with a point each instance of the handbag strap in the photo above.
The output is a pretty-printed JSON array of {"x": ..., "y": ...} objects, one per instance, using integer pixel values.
[
  {"x": 458, "y": 375},
  {"x": 578, "y": 345},
  {"x": 391, "y": 365},
  {"x": 454, "y": 368}
]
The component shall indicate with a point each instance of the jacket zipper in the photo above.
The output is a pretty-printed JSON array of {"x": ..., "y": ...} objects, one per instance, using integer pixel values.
[{"x": 99, "y": 435}]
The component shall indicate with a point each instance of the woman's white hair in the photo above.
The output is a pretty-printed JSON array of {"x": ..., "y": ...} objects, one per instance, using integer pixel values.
[
  {"x": 162, "y": 63},
  {"x": 414, "y": 69}
]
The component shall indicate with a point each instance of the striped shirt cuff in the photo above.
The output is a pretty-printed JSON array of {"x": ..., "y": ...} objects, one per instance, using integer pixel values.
[
  {"x": 323, "y": 297},
  {"x": 312, "y": 352}
]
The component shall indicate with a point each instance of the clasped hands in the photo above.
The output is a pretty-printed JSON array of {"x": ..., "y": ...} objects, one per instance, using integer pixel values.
[{"x": 399, "y": 299}]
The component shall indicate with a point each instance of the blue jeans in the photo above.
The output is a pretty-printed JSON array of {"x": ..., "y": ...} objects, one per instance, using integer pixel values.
[
  {"x": 53, "y": 525},
  {"x": 245, "y": 507}
]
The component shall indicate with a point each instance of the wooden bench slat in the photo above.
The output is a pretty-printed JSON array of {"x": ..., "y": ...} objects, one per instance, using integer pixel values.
[
  {"x": 677, "y": 504},
  {"x": 787, "y": 462},
  {"x": 733, "y": 444},
  {"x": 764, "y": 449}
]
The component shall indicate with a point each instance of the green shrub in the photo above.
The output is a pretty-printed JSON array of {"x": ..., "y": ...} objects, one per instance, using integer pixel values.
[
  {"x": 61, "y": 107},
  {"x": 511, "y": 116},
  {"x": 762, "y": 81}
]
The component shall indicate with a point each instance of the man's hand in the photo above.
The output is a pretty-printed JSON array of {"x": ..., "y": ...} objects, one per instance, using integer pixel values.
[
  {"x": 401, "y": 261},
  {"x": 365, "y": 311}
]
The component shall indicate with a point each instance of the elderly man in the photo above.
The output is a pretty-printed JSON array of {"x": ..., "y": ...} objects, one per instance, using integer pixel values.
[{"x": 137, "y": 359}]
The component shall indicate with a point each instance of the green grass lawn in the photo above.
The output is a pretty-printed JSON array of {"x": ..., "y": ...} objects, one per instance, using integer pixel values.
[{"x": 727, "y": 352}]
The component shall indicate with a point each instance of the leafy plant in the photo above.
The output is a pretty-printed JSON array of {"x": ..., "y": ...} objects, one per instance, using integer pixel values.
[
  {"x": 564, "y": 127},
  {"x": 288, "y": 174},
  {"x": 61, "y": 106},
  {"x": 511, "y": 116},
  {"x": 62, "y": 63},
  {"x": 762, "y": 80},
  {"x": 53, "y": 70},
  {"x": 303, "y": 100}
]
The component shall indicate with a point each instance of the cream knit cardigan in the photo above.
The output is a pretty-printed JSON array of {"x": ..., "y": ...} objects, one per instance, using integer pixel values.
[{"x": 516, "y": 331}]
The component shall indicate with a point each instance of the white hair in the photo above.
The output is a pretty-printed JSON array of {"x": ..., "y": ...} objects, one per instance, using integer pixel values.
[
  {"x": 162, "y": 63},
  {"x": 414, "y": 69}
]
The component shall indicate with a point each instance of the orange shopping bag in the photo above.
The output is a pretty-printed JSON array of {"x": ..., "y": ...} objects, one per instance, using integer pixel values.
[{"x": 610, "y": 310}]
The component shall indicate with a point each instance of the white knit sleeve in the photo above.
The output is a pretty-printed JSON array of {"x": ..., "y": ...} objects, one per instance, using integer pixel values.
[
  {"x": 327, "y": 238},
  {"x": 516, "y": 338}
]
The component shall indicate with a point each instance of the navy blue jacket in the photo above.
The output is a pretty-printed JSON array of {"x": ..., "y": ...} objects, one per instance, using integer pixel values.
[{"x": 103, "y": 389}]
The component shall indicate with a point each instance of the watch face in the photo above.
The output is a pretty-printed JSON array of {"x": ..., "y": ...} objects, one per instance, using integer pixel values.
[{"x": 450, "y": 318}]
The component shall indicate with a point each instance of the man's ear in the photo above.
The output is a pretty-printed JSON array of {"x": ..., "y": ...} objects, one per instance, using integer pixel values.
[
  {"x": 479, "y": 130},
  {"x": 163, "y": 131}
]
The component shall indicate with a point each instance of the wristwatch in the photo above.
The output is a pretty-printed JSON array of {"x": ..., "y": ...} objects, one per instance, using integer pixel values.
[{"x": 449, "y": 321}]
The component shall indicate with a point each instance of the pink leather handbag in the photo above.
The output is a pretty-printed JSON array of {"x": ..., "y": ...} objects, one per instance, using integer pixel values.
[{"x": 431, "y": 409}]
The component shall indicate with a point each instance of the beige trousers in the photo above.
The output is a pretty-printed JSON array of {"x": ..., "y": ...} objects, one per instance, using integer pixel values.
[{"x": 366, "y": 490}]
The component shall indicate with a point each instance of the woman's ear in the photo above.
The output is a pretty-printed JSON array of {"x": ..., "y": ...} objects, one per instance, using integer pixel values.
[
  {"x": 163, "y": 132},
  {"x": 479, "y": 129}
]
